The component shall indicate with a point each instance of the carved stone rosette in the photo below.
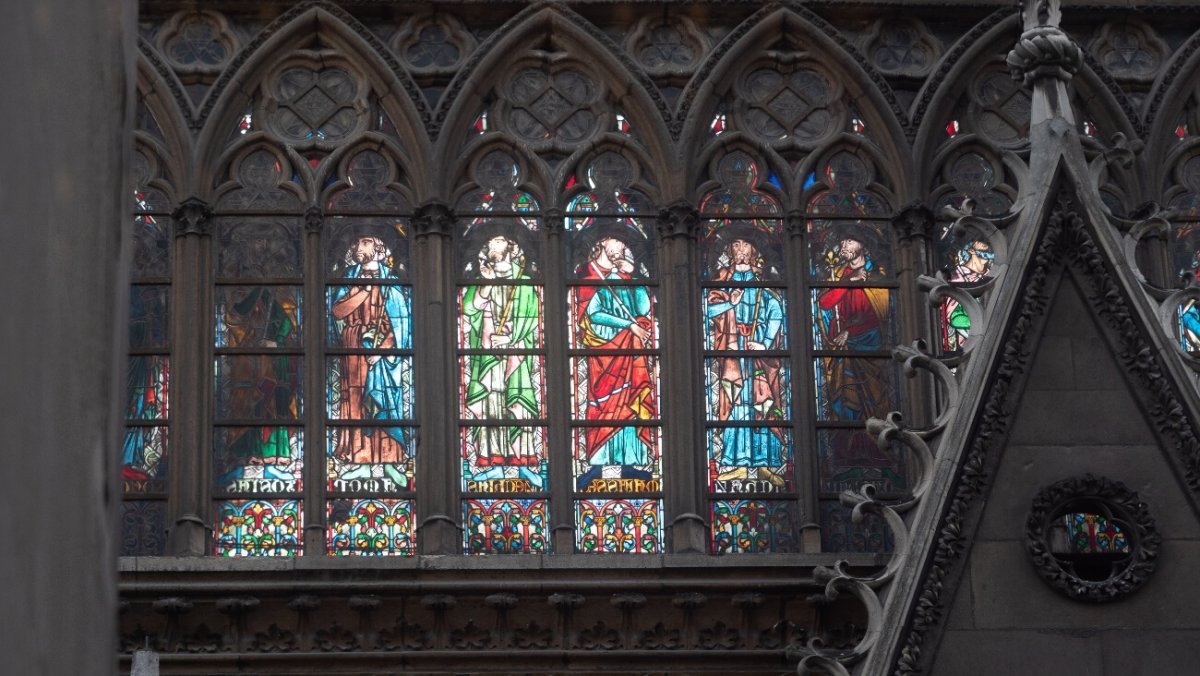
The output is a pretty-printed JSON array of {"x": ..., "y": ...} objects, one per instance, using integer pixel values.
[{"x": 1132, "y": 544}]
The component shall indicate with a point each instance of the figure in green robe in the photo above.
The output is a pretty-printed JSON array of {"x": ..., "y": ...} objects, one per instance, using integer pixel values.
[{"x": 502, "y": 386}]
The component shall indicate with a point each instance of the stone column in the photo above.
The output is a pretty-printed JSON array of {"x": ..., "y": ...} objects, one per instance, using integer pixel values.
[
  {"x": 189, "y": 513},
  {"x": 64, "y": 262},
  {"x": 438, "y": 509},
  {"x": 683, "y": 431}
]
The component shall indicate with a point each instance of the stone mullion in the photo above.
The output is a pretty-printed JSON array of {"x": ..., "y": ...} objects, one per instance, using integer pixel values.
[
  {"x": 189, "y": 451},
  {"x": 315, "y": 465},
  {"x": 680, "y": 363},
  {"x": 804, "y": 412},
  {"x": 913, "y": 226},
  {"x": 437, "y": 484},
  {"x": 558, "y": 387}
]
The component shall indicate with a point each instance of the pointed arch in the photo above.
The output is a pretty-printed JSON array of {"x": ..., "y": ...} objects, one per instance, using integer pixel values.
[
  {"x": 162, "y": 95},
  {"x": 941, "y": 90},
  {"x": 533, "y": 178},
  {"x": 1168, "y": 100},
  {"x": 705, "y": 181},
  {"x": 237, "y": 87},
  {"x": 627, "y": 86},
  {"x": 859, "y": 88}
]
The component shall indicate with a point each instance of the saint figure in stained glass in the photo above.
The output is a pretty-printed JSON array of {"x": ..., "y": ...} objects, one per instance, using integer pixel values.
[
  {"x": 749, "y": 388},
  {"x": 502, "y": 386},
  {"x": 973, "y": 263},
  {"x": 262, "y": 317},
  {"x": 619, "y": 386},
  {"x": 372, "y": 386},
  {"x": 852, "y": 319}
]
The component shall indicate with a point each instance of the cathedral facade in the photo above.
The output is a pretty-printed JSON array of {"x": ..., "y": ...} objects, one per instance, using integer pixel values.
[{"x": 602, "y": 337}]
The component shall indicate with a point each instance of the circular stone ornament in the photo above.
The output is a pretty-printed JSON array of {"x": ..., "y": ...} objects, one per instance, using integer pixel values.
[{"x": 1091, "y": 539}]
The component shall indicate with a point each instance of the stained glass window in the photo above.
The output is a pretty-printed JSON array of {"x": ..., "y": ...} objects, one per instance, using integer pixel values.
[
  {"x": 613, "y": 350},
  {"x": 502, "y": 364},
  {"x": 852, "y": 287},
  {"x": 273, "y": 336},
  {"x": 747, "y": 363},
  {"x": 1184, "y": 245},
  {"x": 144, "y": 451},
  {"x": 370, "y": 445},
  {"x": 258, "y": 442}
]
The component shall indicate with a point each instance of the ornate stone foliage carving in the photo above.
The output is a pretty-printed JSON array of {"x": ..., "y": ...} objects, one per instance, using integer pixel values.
[
  {"x": 433, "y": 44},
  {"x": 902, "y": 46},
  {"x": 198, "y": 42},
  {"x": 1091, "y": 539},
  {"x": 745, "y": 625},
  {"x": 667, "y": 46},
  {"x": 1129, "y": 50}
]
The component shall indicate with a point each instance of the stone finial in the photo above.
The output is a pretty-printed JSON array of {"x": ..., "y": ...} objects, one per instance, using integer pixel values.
[{"x": 1044, "y": 50}]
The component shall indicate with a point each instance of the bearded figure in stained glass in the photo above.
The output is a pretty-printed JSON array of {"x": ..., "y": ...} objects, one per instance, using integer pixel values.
[
  {"x": 372, "y": 386},
  {"x": 852, "y": 319},
  {"x": 262, "y": 384},
  {"x": 502, "y": 386},
  {"x": 1188, "y": 313},
  {"x": 973, "y": 263},
  {"x": 748, "y": 388},
  {"x": 620, "y": 387}
]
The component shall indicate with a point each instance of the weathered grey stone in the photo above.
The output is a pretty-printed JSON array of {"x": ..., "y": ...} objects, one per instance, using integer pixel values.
[
  {"x": 66, "y": 104},
  {"x": 1028, "y": 653},
  {"x": 1144, "y": 469},
  {"x": 1053, "y": 368},
  {"x": 1150, "y": 653},
  {"x": 1008, "y": 594}
]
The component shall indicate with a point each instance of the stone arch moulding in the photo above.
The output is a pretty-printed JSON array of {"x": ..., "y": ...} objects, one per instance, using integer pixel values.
[
  {"x": 1177, "y": 80},
  {"x": 533, "y": 178},
  {"x": 860, "y": 85},
  {"x": 399, "y": 96},
  {"x": 641, "y": 164},
  {"x": 703, "y": 180},
  {"x": 938, "y": 96},
  {"x": 574, "y": 39},
  {"x": 158, "y": 92}
]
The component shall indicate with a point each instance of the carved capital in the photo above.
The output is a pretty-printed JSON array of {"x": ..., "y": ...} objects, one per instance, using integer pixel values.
[
  {"x": 433, "y": 218},
  {"x": 553, "y": 221},
  {"x": 793, "y": 224},
  {"x": 914, "y": 220},
  {"x": 193, "y": 216},
  {"x": 314, "y": 219},
  {"x": 1044, "y": 50},
  {"x": 679, "y": 219},
  {"x": 236, "y": 605}
]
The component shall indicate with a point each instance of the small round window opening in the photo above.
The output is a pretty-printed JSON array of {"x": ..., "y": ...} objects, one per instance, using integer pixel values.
[{"x": 1091, "y": 539}]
